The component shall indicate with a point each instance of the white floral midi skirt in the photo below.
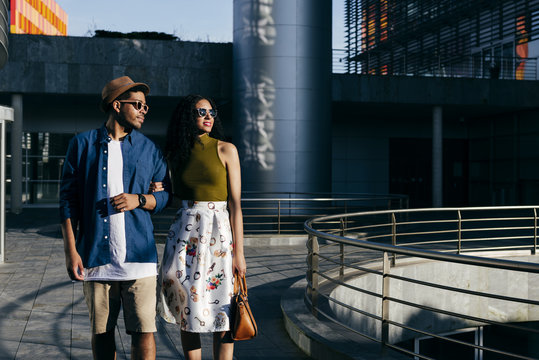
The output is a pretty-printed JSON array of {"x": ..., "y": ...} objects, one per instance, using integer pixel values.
[{"x": 196, "y": 276}]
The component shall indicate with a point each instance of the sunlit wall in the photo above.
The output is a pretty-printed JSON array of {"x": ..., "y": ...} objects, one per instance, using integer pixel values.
[{"x": 38, "y": 17}]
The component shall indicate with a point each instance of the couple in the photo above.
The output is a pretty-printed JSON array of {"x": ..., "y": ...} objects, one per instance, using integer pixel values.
[{"x": 113, "y": 179}]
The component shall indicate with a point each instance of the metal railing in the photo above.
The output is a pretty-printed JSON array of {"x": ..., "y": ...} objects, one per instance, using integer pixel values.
[
  {"x": 381, "y": 245},
  {"x": 472, "y": 66},
  {"x": 284, "y": 213},
  {"x": 340, "y": 61}
]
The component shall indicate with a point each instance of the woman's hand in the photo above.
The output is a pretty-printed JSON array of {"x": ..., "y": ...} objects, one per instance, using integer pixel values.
[
  {"x": 238, "y": 264},
  {"x": 155, "y": 187}
]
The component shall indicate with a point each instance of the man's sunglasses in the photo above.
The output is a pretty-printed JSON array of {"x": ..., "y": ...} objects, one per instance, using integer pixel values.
[
  {"x": 202, "y": 112},
  {"x": 138, "y": 105}
]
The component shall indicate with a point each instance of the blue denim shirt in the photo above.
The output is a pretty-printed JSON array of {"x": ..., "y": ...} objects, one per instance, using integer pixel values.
[{"x": 83, "y": 194}]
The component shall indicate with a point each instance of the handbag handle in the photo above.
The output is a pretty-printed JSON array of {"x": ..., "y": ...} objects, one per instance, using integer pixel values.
[{"x": 240, "y": 285}]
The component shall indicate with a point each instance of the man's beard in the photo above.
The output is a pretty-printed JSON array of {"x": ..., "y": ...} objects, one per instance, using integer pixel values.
[{"x": 120, "y": 118}]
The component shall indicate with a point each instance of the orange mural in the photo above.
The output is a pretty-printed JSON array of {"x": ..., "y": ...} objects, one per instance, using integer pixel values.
[
  {"x": 521, "y": 47},
  {"x": 38, "y": 17}
]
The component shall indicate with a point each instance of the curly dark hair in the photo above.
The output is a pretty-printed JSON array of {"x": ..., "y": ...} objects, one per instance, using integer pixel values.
[{"x": 182, "y": 131}]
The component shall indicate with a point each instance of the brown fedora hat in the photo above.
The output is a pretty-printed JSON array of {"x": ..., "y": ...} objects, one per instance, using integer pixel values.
[{"x": 116, "y": 88}]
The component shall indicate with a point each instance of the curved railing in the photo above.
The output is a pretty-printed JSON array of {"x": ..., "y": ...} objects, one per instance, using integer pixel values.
[
  {"x": 283, "y": 213},
  {"x": 405, "y": 277}
]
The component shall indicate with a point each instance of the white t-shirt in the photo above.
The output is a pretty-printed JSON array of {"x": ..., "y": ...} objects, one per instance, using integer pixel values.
[{"x": 118, "y": 269}]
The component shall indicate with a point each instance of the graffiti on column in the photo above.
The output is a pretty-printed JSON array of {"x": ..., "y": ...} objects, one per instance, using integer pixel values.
[
  {"x": 258, "y": 21},
  {"x": 259, "y": 122},
  {"x": 258, "y": 98}
]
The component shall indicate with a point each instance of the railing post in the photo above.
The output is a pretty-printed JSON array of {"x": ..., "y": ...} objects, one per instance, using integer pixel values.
[
  {"x": 345, "y": 212},
  {"x": 534, "y": 250},
  {"x": 279, "y": 217},
  {"x": 393, "y": 236},
  {"x": 385, "y": 299},
  {"x": 341, "y": 250},
  {"x": 459, "y": 232},
  {"x": 314, "y": 274}
]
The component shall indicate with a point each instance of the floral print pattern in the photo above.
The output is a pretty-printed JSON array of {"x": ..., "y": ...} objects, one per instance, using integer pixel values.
[
  {"x": 213, "y": 282},
  {"x": 195, "y": 278}
]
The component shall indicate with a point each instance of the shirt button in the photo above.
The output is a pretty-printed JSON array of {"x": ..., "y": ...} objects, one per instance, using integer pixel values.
[
  {"x": 105, "y": 151},
  {"x": 104, "y": 168},
  {"x": 104, "y": 185},
  {"x": 105, "y": 220},
  {"x": 106, "y": 237}
]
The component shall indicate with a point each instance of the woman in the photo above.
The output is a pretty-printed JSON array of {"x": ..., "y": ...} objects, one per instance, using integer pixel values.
[{"x": 204, "y": 246}]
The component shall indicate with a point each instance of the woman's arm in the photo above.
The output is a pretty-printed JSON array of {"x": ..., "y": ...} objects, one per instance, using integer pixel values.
[{"x": 230, "y": 158}]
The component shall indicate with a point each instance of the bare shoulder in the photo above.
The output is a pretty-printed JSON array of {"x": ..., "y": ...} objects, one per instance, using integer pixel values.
[{"x": 227, "y": 149}]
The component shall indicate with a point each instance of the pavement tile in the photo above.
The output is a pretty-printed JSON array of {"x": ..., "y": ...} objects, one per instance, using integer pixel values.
[
  {"x": 48, "y": 328},
  {"x": 81, "y": 353},
  {"x": 8, "y": 349},
  {"x": 30, "y": 350},
  {"x": 11, "y": 330},
  {"x": 21, "y": 299}
]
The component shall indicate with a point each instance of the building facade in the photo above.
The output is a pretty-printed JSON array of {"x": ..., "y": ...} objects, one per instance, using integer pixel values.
[
  {"x": 480, "y": 39},
  {"x": 489, "y": 159},
  {"x": 380, "y": 129}
]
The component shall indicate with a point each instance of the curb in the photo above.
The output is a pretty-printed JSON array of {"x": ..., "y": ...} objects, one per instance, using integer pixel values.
[{"x": 323, "y": 339}]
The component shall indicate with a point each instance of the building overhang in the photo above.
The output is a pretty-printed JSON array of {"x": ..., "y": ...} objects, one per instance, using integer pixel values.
[{"x": 412, "y": 96}]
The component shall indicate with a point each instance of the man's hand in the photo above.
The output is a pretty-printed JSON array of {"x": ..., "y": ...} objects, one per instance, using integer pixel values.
[
  {"x": 156, "y": 186},
  {"x": 75, "y": 268},
  {"x": 124, "y": 202},
  {"x": 74, "y": 265}
]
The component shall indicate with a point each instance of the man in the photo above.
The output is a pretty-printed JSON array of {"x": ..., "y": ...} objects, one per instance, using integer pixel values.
[{"x": 103, "y": 195}]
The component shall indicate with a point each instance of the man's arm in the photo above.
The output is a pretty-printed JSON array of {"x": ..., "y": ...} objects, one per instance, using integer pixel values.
[
  {"x": 74, "y": 265},
  {"x": 69, "y": 212}
]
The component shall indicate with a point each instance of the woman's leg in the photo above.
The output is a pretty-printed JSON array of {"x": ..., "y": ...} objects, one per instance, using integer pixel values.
[
  {"x": 191, "y": 345},
  {"x": 223, "y": 346}
]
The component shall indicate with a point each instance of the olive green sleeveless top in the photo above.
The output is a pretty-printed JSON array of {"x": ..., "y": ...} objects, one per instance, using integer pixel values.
[{"x": 203, "y": 176}]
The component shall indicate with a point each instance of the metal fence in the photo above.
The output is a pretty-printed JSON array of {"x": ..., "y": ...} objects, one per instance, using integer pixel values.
[
  {"x": 473, "y": 66},
  {"x": 380, "y": 244},
  {"x": 284, "y": 213}
]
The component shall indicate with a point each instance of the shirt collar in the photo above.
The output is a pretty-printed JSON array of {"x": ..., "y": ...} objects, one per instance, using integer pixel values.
[{"x": 103, "y": 135}]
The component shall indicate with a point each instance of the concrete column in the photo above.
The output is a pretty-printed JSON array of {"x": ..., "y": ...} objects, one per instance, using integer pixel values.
[
  {"x": 16, "y": 155},
  {"x": 282, "y": 94},
  {"x": 6, "y": 115},
  {"x": 437, "y": 157}
]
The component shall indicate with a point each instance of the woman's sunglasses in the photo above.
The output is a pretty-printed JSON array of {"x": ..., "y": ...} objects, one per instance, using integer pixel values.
[{"x": 203, "y": 112}]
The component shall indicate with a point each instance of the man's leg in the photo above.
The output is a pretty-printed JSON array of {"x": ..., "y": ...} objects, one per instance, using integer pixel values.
[
  {"x": 142, "y": 346},
  {"x": 139, "y": 302},
  {"x": 103, "y": 300},
  {"x": 104, "y": 346}
]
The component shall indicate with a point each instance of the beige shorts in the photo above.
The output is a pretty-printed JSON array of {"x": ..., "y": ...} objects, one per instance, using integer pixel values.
[{"x": 136, "y": 297}]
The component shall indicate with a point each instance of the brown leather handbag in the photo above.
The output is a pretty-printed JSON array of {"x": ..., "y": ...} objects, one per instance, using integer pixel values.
[{"x": 243, "y": 323}]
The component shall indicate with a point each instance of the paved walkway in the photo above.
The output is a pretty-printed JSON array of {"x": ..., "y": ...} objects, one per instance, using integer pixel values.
[{"x": 43, "y": 314}]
